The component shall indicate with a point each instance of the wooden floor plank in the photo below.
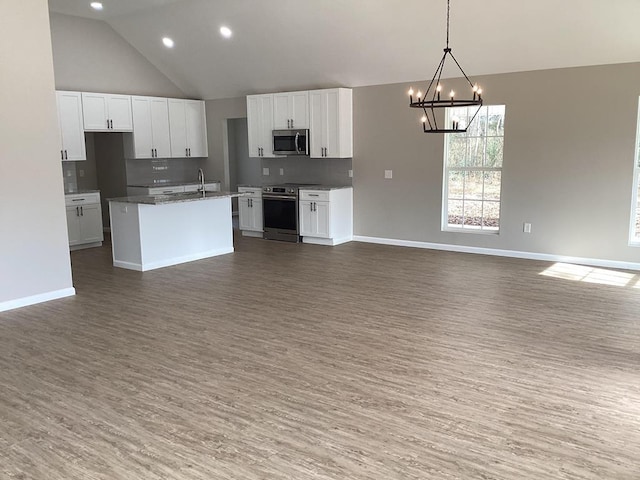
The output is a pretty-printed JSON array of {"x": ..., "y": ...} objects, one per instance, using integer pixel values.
[{"x": 295, "y": 361}]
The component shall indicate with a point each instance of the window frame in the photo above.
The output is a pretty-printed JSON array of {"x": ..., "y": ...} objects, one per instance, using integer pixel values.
[
  {"x": 445, "y": 181},
  {"x": 634, "y": 240}
]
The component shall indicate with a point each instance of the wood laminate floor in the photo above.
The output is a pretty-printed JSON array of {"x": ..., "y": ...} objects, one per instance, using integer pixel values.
[{"x": 304, "y": 362}]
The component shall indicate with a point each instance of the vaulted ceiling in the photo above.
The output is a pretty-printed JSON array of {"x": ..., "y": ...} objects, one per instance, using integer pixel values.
[{"x": 280, "y": 45}]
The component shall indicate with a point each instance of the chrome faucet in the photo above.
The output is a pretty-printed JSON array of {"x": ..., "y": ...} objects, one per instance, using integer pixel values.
[{"x": 201, "y": 180}]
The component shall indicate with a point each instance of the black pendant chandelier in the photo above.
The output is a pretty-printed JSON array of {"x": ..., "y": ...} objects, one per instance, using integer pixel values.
[{"x": 434, "y": 98}]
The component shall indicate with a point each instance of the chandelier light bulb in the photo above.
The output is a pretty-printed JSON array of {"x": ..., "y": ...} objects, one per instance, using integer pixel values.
[
  {"x": 410, "y": 91},
  {"x": 424, "y": 119},
  {"x": 475, "y": 87},
  {"x": 419, "y": 94},
  {"x": 439, "y": 88},
  {"x": 452, "y": 94}
]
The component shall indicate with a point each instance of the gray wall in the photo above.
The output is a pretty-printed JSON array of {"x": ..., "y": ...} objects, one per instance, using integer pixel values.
[
  {"x": 91, "y": 56},
  {"x": 248, "y": 170},
  {"x": 34, "y": 249},
  {"x": 218, "y": 112},
  {"x": 568, "y": 163}
]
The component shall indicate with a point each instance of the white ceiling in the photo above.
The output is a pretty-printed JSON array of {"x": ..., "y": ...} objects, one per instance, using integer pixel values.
[{"x": 281, "y": 45}]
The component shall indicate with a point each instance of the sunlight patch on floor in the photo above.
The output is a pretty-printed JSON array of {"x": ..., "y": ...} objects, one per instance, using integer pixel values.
[{"x": 581, "y": 273}]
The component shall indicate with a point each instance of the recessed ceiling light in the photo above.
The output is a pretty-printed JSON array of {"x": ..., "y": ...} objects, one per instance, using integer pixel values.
[
  {"x": 226, "y": 32},
  {"x": 167, "y": 42},
  {"x": 96, "y": 5}
]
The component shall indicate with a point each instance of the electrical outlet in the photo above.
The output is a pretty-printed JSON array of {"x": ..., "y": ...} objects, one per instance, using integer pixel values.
[
  {"x": 350, "y": 173},
  {"x": 388, "y": 174},
  {"x": 124, "y": 209},
  {"x": 81, "y": 172},
  {"x": 282, "y": 171},
  {"x": 265, "y": 171},
  {"x": 526, "y": 228}
]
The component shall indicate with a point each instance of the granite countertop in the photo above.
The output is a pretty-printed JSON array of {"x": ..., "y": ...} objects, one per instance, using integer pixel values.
[
  {"x": 302, "y": 187},
  {"x": 173, "y": 184},
  {"x": 175, "y": 197},
  {"x": 82, "y": 192},
  {"x": 326, "y": 187}
]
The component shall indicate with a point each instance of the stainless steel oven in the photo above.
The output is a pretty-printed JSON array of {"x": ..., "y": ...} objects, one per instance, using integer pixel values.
[{"x": 280, "y": 213}]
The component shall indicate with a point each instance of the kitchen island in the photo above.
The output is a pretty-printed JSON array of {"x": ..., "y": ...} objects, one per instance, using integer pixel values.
[{"x": 155, "y": 231}]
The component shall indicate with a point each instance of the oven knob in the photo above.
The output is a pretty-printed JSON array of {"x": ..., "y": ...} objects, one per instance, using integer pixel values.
[{"x": 291, "y": 190}]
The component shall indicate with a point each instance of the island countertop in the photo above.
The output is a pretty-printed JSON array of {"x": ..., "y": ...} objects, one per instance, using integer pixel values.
[{"x": 176, "y": 197}]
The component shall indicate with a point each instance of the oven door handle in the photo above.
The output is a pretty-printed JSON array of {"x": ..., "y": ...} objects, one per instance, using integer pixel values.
[{"x": 278, "y": 197}]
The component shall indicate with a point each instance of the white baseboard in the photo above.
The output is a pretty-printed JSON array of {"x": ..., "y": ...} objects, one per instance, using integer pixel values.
[
  {"x": 250, "y": 233},
  {"x": 596, "y": 262},
  {"x": 33, "y": 299},
  {"x": 332, "y": 242},
  {"x": 85, "y": 245},
  {"x": 171, "y": 261}
]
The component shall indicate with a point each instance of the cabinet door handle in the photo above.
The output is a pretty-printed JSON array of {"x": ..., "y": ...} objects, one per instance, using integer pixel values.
[
  {"x": 66, "y": 156},
  {"x": 81, "y": 211},
  {"x": 77, "y": 211},
  {"x": 292, "y": 123},
  {"x": 61, "y": 154},
  {"x": 111, "y": 124},
  {"x": 155, "y": 150},
  {"x": 288, "y": 123}
]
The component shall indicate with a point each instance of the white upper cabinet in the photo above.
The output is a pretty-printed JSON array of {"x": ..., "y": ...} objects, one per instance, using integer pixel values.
[
  {"x": 260, "y": 125},
  {"x": 331, "y": 123},
  {"x": 72, "y": 144},
  {"x": 104, "y": 112},
  {"x": 188, "y": 128},
  {"x": 150, "y": 137},
  {"x": 290, "y": 110}
]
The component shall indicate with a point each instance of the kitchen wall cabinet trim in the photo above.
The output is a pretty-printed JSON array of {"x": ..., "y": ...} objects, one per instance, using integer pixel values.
[
  {"x": 250, "y": 212},
  {"x": 188, "y": 128},
  {"x": 70, "y": 122},
  {"x": 326, "y": 217},
  {"x": 331, "y": 123},
  {"x": 106, "y": 112},
  {"x": 84, "y": 220},
  {"x": 291, "y": 110},
  {"x": 150, "y": 138}
]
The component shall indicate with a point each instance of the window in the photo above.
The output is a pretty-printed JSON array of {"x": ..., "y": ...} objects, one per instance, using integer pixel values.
[
  {"x": 473, "y": 170},
  {"x": 634, "y": 231}
]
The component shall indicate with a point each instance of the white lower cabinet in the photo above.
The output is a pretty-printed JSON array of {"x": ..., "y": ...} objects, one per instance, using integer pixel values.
[
  {"x": 326, "y": 216},
  {"x": 250, "y": 212},
  {"x": 84, "y": 220}
]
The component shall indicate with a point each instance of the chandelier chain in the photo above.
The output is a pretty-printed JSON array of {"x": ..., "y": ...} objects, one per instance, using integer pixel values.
[{"x": 448, "y": 8}]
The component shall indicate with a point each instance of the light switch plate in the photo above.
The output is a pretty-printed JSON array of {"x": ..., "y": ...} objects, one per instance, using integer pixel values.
[
  {"x": 526, "y": 228},
  {"x": 350, "y": 173},
  {"x": 388, "y": 174},
  {"x": 265, "y": 171}
]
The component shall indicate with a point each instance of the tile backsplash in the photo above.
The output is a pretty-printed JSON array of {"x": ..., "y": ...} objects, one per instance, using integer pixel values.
[
  {"x": 162, "y": 170},
  {"x": 326, "y": 171}
]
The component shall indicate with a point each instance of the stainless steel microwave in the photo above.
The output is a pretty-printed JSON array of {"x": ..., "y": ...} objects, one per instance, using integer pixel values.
[{"x": 291, "y": 142}]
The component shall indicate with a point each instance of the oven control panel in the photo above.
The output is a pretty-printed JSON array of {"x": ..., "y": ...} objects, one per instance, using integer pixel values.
[{"x": 287, "y": 190}]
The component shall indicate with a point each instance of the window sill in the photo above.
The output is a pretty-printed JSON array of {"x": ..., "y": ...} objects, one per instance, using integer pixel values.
[{"x": 477, "y": 231}]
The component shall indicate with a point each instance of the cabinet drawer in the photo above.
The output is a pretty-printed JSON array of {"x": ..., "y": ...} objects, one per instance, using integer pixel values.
[
  {"x": 255, "y": 192},
  {"x": 76, "y": 199},
  {"x": 165, "y": 190},
  {"x": 317, "y": 195}
]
